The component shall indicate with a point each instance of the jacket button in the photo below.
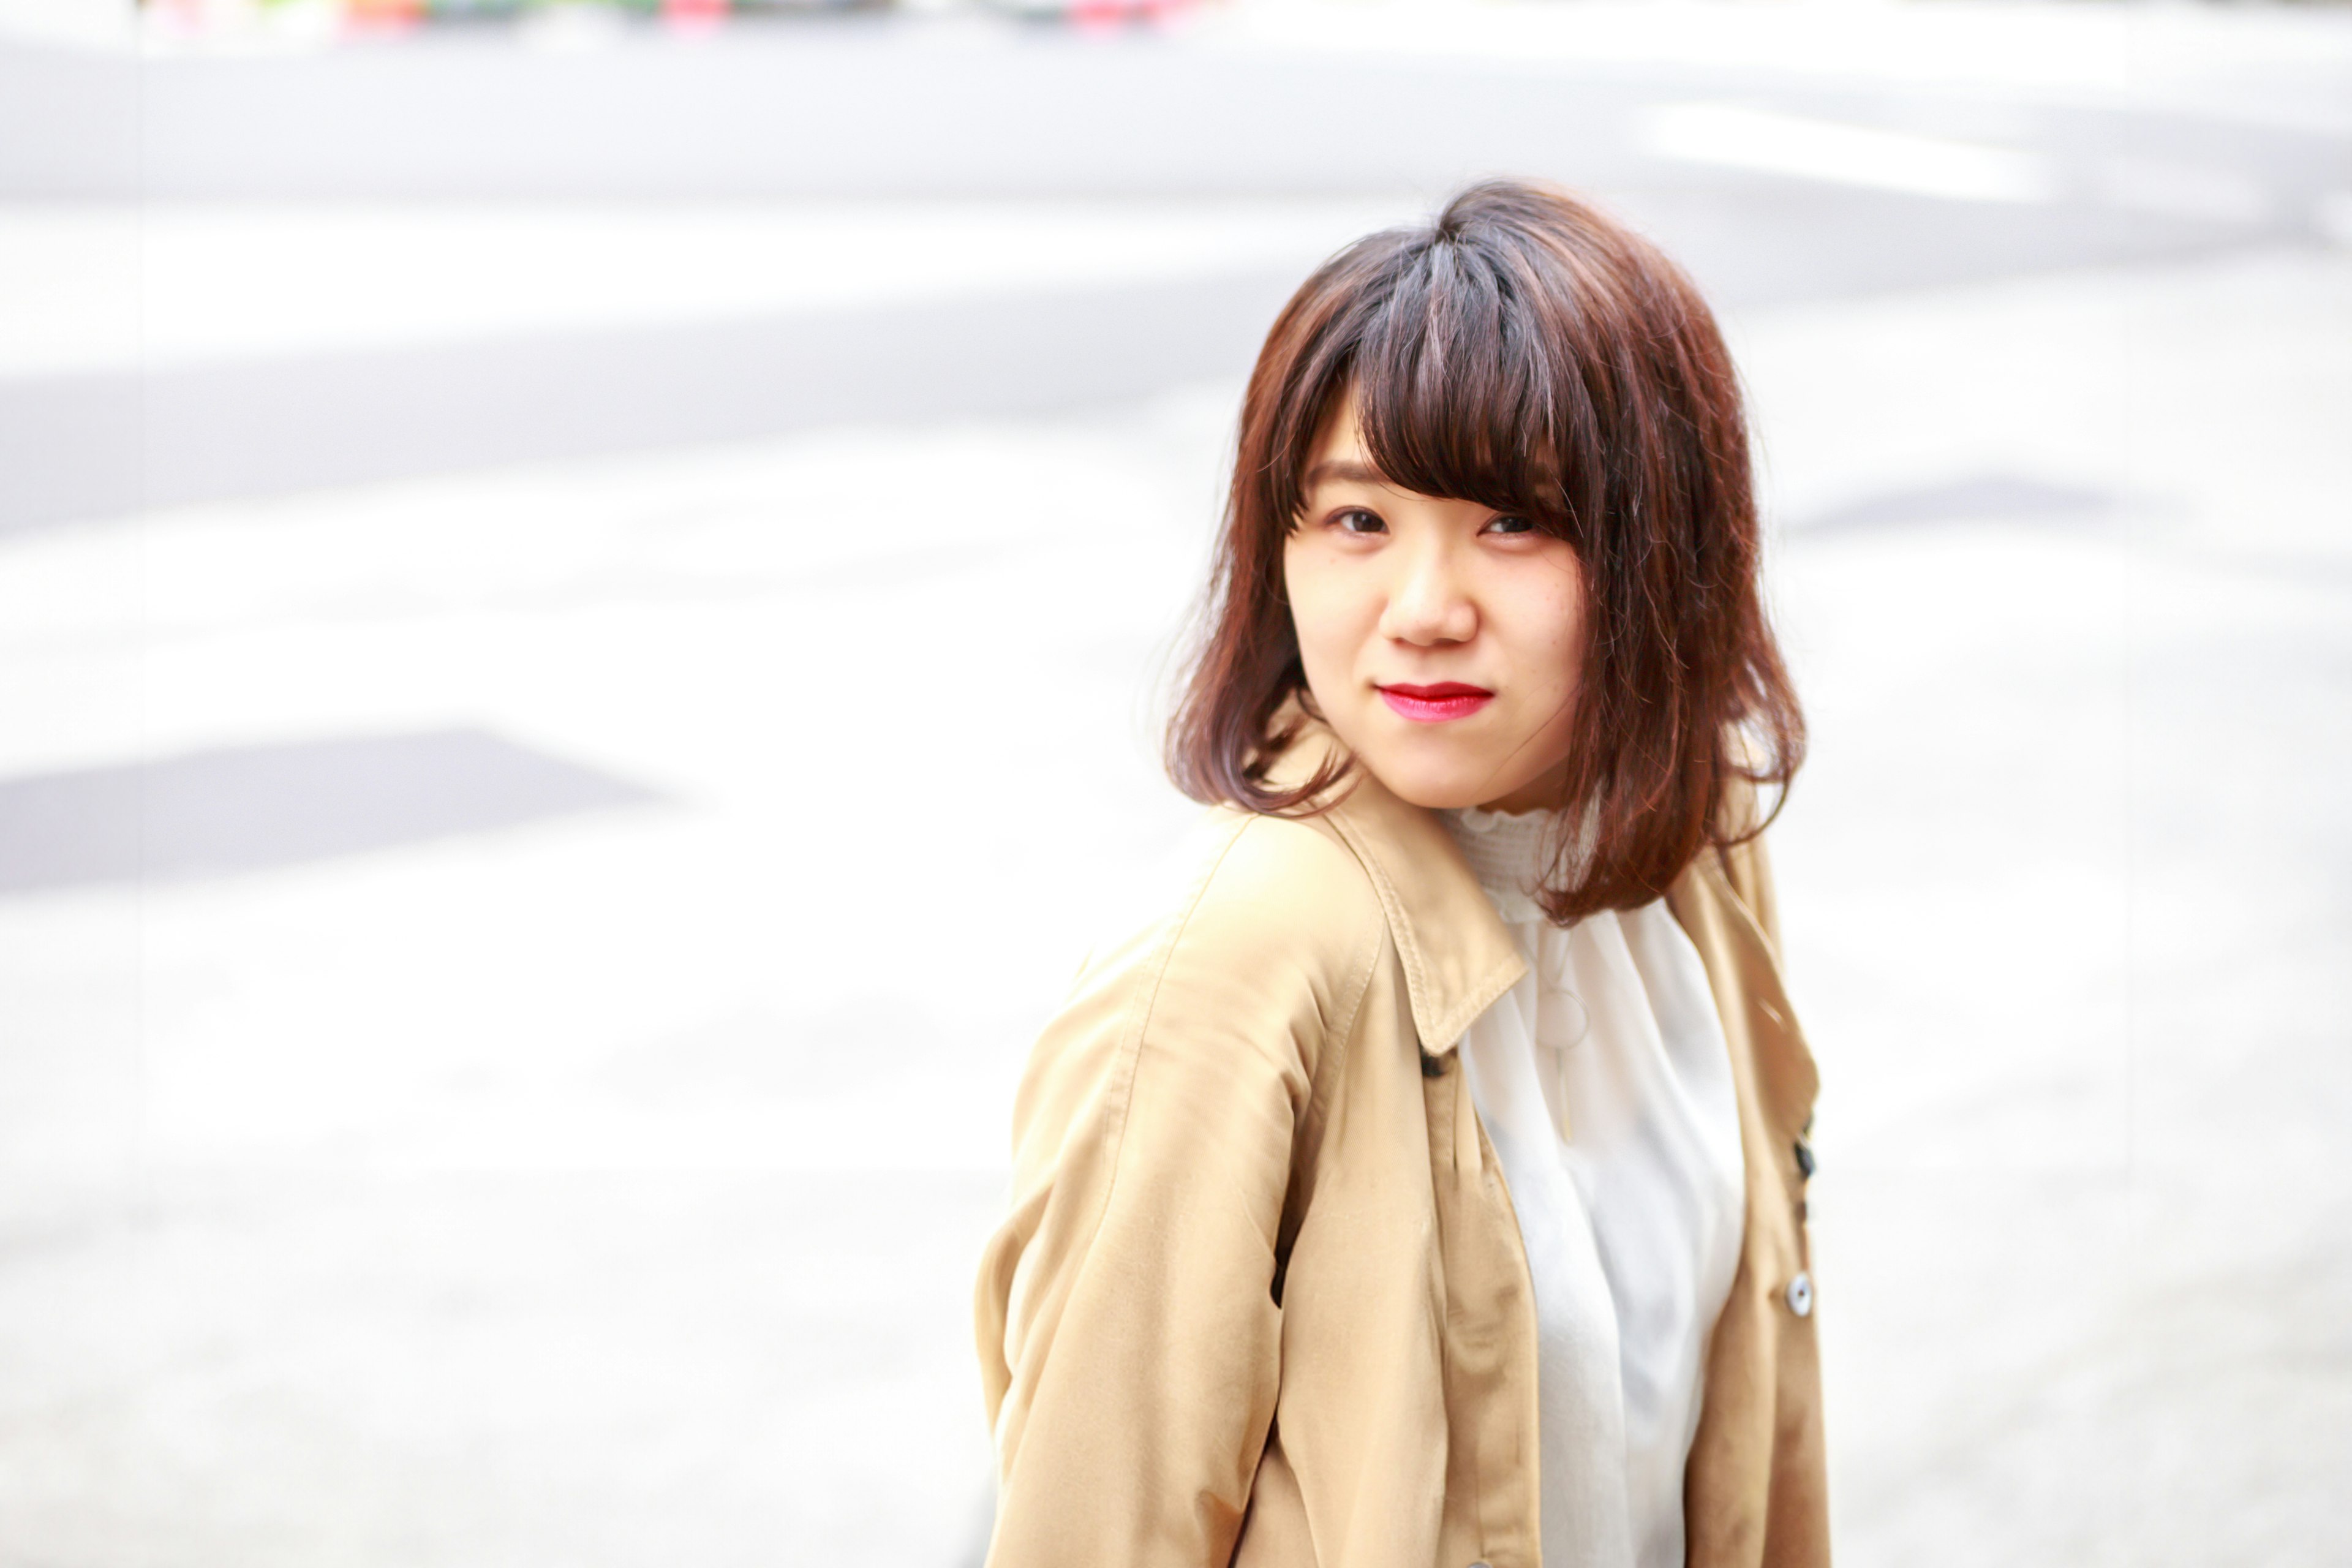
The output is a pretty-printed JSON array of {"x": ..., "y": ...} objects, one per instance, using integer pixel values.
[{"x": 1801, "y": 1294}]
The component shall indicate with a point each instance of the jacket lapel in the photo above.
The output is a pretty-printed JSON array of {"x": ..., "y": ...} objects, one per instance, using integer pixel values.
[{"x": 1458, "y": 956}]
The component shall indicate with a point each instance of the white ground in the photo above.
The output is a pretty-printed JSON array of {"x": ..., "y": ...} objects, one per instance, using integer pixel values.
[{"x": 608, "y": 1191}]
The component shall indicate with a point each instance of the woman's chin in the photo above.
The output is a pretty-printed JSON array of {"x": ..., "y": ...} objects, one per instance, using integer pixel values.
[{"x": 1432, "y": 788}]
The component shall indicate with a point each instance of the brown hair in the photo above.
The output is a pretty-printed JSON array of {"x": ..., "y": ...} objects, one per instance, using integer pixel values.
[{"x": 1526, "y": 353}]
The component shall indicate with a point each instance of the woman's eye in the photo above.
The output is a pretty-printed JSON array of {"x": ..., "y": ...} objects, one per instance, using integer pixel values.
[
  {"x": 1511, "y": 525},
  {"x": 1357, "y": 521}
]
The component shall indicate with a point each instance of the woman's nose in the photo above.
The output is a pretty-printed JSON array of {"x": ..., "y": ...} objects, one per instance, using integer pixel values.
[{"x": 1427, "y": 604}]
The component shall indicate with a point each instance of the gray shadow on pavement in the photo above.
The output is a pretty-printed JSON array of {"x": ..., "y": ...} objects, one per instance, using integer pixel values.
[
  {"x": 102, "y": 444},
  {"x": 1973, "y": 498},
  {"x": 218, "y": 813}
]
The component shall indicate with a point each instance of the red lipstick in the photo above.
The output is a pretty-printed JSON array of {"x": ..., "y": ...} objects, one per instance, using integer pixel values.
[{"x": 1435, "y": 704}]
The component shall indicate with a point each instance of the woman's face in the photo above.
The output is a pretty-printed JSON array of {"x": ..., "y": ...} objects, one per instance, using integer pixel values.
[{"x": 1442, "y": 638}]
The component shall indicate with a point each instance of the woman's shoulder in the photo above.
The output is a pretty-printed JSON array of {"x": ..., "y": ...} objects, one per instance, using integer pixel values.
[
  {"x": 1293, "y": 882},
  {"x": 1250, "y": 895}
]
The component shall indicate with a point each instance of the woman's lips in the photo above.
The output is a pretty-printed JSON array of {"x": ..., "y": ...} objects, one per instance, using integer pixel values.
[{"x": 1435, "y": 704}]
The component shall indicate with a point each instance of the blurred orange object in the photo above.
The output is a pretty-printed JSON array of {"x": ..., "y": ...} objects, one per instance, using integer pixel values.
[{"x": 383, "y": 16}]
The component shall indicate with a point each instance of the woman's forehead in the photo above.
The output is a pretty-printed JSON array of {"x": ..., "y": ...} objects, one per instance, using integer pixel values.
[
  {"x": 1340, "y": 454},
  {"x": 1340, "y": 457}
]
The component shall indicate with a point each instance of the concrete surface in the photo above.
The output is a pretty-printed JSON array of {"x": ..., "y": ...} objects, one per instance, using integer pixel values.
[
  {"x": 583, "y": 1169},
  {"x": 477, "y": 251}
]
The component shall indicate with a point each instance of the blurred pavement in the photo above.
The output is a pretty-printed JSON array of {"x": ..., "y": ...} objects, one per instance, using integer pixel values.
[{"x": 556, "y": 742}]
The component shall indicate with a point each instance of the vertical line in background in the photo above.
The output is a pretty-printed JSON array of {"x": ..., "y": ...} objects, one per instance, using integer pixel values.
[
  {"x": 2133, "y": 361},
  {"x": 2130, "y": 355},
  {"x": 2126, "y": 1503},
  {"x": 145, "y": 1185}
]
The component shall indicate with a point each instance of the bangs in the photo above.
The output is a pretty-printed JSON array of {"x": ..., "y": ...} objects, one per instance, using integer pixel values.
[{"x": 1455, "y": 386}]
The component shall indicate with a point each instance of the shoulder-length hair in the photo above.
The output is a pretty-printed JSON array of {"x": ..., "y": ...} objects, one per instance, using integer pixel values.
[{"x": 1528, "y": 353}]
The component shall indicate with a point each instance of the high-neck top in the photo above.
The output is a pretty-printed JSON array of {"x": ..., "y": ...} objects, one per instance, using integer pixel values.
[
  {"x": 1508, "y": 852},
  {"x": 1604, "y": 1083}
]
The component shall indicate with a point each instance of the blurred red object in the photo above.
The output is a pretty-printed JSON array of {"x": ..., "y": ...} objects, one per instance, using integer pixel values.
[
  {"x": 383, "y": 16},
  {"x": 693, "y": 15},
  {"x": 1100, "y": 14}
]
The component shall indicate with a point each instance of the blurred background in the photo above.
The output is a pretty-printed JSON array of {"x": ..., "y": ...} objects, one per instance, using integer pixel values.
[{"x": 584, "y": 595}]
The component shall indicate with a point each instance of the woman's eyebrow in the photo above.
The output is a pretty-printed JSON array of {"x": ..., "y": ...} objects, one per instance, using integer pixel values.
[{"x": 1344, "y": 472}]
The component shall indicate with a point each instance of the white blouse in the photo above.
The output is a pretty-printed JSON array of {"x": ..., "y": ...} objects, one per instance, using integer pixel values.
[{"x": 1604, "y": 1083}]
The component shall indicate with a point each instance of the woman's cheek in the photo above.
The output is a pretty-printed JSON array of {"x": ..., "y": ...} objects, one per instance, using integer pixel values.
[
  {"x": 1548, "y": 635},
  {"x": 1315, "y": 621}
]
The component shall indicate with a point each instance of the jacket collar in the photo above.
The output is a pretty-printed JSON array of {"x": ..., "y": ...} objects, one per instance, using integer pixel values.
[{"x": 1458, "y": 956}]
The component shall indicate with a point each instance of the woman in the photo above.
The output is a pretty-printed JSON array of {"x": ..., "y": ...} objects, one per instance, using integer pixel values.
[{"x": 1424, "y": 1184}]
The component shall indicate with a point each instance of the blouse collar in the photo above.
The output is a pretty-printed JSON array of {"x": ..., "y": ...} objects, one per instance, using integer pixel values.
[{"x": 1510, "y": 853}]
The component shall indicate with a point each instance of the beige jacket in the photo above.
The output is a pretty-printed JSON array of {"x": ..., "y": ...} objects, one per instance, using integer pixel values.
[{"x": 1261, "y": 1297}]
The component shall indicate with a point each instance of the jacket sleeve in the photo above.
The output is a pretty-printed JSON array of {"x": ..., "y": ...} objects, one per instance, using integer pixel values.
[{"x": 1128, "y": 1337}]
